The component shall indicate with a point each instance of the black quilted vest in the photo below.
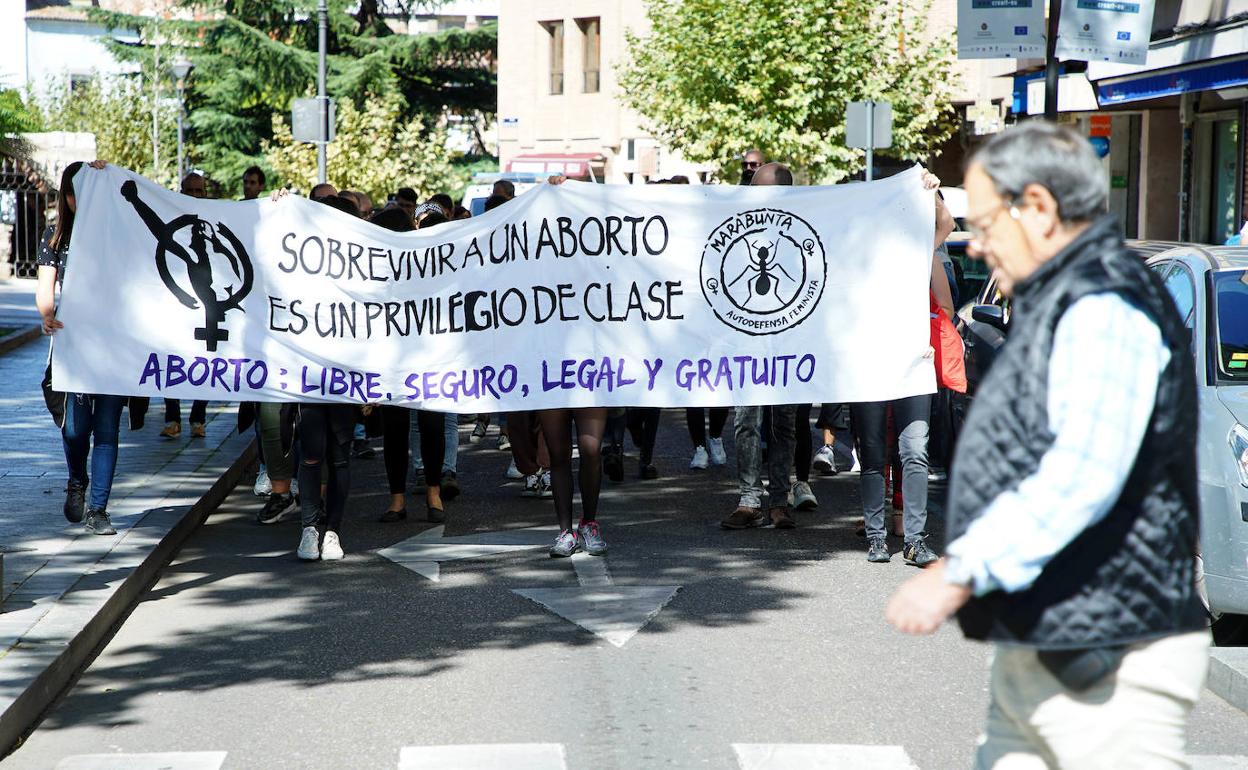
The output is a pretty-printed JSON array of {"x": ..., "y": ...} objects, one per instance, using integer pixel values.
[{"x": 1131, "y": 576}]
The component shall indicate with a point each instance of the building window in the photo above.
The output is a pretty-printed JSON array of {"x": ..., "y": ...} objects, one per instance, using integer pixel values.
[
  {"x": 592, "y": 52},
  {"x": 554, "y": 29}
]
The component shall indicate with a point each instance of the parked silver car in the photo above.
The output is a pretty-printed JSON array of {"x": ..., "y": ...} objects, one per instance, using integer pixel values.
[{"x": 1209, "y": 285}]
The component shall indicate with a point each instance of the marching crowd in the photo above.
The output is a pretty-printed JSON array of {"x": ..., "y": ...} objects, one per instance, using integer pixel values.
[
  {"x": 306, "y": 450},
  {"x": 1073, "y": 513}
]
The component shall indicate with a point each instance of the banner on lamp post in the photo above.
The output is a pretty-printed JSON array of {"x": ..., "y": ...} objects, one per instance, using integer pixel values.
[{"x": 996, "y": 29}]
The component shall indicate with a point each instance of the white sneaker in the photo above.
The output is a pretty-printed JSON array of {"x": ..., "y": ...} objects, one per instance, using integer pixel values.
[
  {"x": 700, "y": 460},
  {"x": 309, "y": 545},
  {"x": 715, "y": 448},
  {"x": 513, "y": 472},
  {"x": 331, "y": 548},
  {"x": 294, "y": 487},
  {"x": 802, "y": 498},
  {"x": 263, "y": 486},
  {"x": 824, "y": 461},
  {"x": 856, "y": 467},
  {"x": 546, "y": 489}
]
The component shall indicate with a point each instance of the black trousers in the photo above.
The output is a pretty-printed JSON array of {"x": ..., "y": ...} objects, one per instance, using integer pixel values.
[
  {"x": 695, "y": 416},
  {"x": 325, "y": 433},
  {"x": 643, "y": 424},
  {"x": 173, "y": 411},
  {"x": 396, "y": 423}
]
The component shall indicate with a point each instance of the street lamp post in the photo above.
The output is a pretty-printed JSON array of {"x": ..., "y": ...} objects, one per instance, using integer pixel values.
[
  {"x": 180, "y": 68},
  {"x": 322, "y": 103}
]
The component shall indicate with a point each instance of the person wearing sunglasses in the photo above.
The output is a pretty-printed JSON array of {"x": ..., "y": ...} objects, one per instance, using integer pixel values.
[{"x": 751, "y": 161}]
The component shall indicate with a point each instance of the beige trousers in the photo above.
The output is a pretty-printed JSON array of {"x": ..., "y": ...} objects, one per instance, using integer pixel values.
[{"x": 1135, "y": 718}]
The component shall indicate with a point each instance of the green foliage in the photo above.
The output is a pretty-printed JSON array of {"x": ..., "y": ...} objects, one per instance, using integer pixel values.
[
  {"x": 254, "y": 57},
  {"x": 15, "y": 118},
  {"x": 716, "y": 77},
  {"x": 375, "y": 151},
  {"x": 118, "y": 110}
]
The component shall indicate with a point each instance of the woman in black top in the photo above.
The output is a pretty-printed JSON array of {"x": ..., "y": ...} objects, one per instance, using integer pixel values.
[{"x": 91, "y": 421}]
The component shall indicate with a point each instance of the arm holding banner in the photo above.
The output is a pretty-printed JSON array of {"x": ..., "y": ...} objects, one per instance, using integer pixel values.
[{"x": 45, "y": 299}]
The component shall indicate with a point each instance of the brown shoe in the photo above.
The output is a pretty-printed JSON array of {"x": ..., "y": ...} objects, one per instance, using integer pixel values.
[
  {"x": 781, "y": 519},
  {"x": 172, "y": 430},
  {"x": 744, "y": 518},
  {"x": 198, "y": 430}
]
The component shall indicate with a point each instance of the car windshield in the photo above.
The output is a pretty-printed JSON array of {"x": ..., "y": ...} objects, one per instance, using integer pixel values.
[{"x": 1231, "y": 289}]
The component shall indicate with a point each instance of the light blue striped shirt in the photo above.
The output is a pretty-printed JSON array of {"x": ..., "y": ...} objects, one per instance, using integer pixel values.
[{"x": 1106, "y": 362}]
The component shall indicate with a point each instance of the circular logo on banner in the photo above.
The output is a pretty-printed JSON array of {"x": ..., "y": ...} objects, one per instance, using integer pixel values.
[{"x": 763, "y": 271}]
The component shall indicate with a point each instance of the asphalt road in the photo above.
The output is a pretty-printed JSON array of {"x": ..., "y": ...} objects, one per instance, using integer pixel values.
[{"x": 773, "y": 638}]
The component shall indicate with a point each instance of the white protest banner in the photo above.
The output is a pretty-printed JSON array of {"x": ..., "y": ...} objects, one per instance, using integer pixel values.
[
  {"x": 996, "y": 29},
  {"x": 1105, "y": 30},
  {"x": 570, "y": 295}
]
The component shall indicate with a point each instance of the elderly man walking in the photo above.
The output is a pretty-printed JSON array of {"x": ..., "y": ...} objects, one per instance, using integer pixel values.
[{"x": 1073, "y": 508}]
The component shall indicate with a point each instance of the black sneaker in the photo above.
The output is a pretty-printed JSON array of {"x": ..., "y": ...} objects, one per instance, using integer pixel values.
[
  {"x": 450, "y": 485},
  {"x": 877, "y": 551},
  {"x": 647, "y": 471},
  {"x": 75, "y": 500},
  {"x": 276, "y": 508},
  {"x": 98, "y": 523},
  {"x": 917, "y": 553},
  {"x": 362, "y": 449}
]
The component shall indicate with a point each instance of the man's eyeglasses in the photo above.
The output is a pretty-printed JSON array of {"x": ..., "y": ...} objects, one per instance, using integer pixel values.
[
  {"x": 750, "y": 164},
  {"x": 980, "y": 225}
]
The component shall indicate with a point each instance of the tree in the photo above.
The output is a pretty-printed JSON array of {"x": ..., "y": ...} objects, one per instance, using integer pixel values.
[
  {"x": 254, "y": 57},
  {"x": 714, "y": 78},
  {"x": 375, "y": 151},
  {"x": 15, "y": 119},
  {"x": 118, "y": 110}
]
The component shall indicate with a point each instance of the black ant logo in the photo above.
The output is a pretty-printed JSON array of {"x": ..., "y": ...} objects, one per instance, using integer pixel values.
[{"x": 760, "y": 280}]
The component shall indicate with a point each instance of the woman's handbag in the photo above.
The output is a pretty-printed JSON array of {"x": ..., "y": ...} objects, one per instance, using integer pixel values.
[{"x": 950, "y": 362}]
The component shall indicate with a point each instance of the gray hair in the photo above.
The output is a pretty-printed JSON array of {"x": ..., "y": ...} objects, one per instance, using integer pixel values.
[{"x": 1052, "y": 156}]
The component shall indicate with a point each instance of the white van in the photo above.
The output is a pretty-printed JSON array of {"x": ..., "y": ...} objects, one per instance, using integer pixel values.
[{"x": 483, "y": 185}]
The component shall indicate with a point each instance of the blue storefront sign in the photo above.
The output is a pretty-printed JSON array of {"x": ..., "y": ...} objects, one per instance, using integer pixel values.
[{"x": 1207, "y": 76}]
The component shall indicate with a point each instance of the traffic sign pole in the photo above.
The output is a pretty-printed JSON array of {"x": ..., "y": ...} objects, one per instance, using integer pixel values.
[{"x": 870, "y": 139}]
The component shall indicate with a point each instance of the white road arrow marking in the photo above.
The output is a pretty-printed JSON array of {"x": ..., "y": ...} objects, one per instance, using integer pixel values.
[
  {"x": 820, "y": 756},
  {"x": 173, "y": 760},
  {"x": 611, "y": 612},
  {"x": 591, "y": 571},
  {"x": 496, "y": 756},
  {"x": 424, "y": 553}
]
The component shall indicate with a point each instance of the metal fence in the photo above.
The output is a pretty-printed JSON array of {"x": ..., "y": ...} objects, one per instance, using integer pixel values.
[{"x": 25, "y": 198}]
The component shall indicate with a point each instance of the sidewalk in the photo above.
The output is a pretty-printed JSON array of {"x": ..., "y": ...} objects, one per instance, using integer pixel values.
[
  {"x": 64, "y": 591},
  {"x": 19, "y": 321},
  {"x": 17, "y": 303}
]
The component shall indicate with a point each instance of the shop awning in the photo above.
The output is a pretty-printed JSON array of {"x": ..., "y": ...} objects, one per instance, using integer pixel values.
[
  {"x": 1210, "y": 75},
  {"x": 574, "y": 165}
]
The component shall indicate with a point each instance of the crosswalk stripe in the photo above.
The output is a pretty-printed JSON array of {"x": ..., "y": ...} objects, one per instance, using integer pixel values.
[
  {"x": 820, "y": 756},
  {"x": 170, "y": 760},
  {"x": 1218, "y": 762},
  {"x": 488, "y": 756}
]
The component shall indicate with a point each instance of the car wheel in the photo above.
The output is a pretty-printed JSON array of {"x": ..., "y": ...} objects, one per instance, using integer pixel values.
[{"x": 1230, "y": 630}]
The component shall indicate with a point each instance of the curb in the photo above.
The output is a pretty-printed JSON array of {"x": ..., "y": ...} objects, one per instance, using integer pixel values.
[
  {"x": 1228, "y": 675},
  {"x": 18, "y": 338},
  {"x": 28, "y": 710}
]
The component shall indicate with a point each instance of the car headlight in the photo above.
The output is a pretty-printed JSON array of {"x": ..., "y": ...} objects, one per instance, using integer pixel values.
[{"x": 1239, "y": 448}]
